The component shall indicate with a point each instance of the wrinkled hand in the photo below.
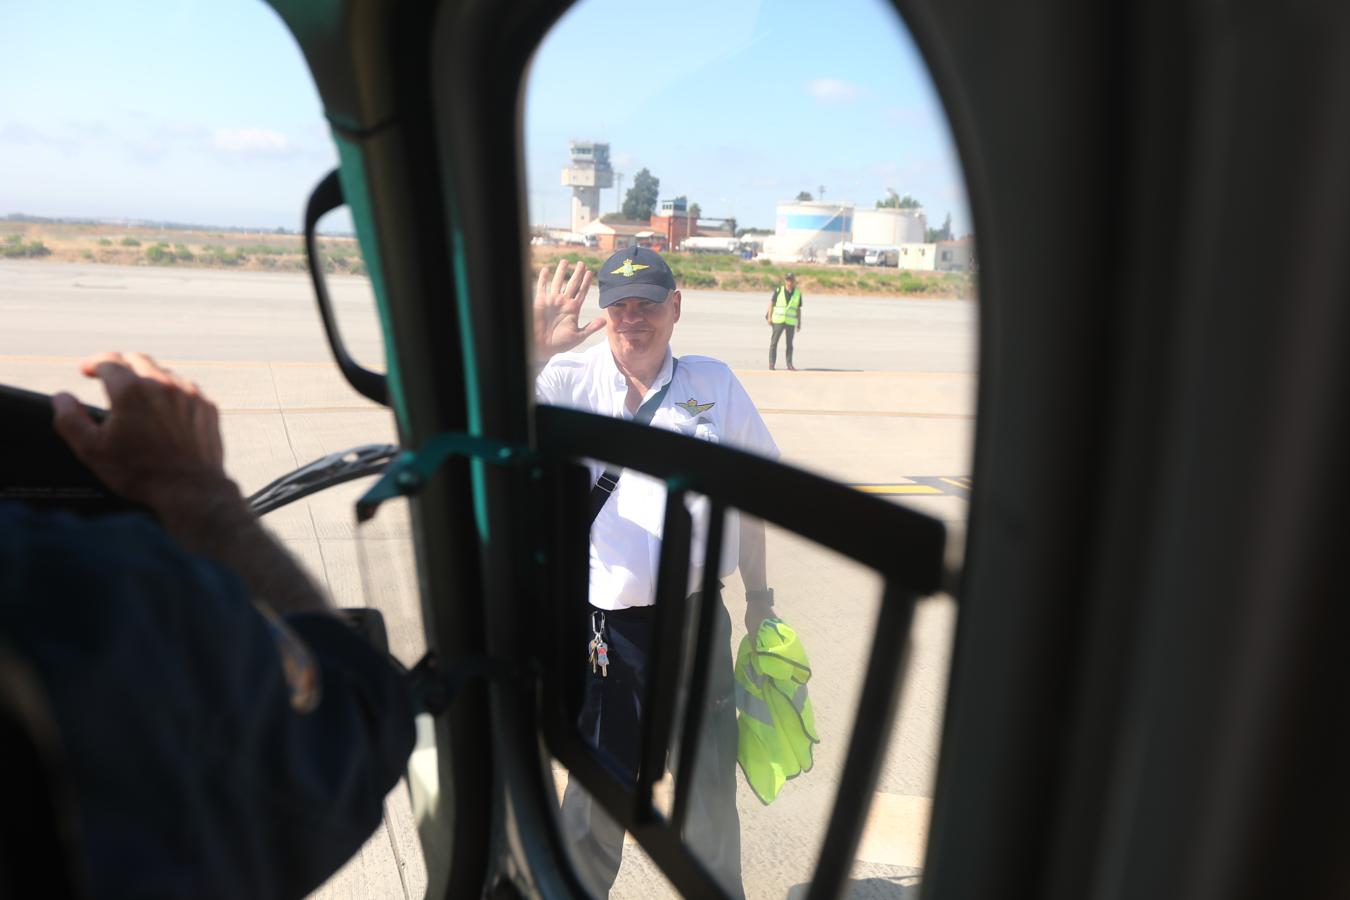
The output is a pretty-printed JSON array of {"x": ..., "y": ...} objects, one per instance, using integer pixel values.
[
  {"x": 160, "y": 442},
  {"x": 557, "y": 308}
]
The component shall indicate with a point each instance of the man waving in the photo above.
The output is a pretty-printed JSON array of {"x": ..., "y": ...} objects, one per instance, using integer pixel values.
[{"x": 634, "y": 375}]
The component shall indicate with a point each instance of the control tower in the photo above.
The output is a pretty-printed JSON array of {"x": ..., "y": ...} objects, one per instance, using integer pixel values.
[{"x": 589, "y": 172}]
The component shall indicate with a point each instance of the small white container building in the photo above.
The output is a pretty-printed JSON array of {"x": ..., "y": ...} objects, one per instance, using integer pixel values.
[
  {"x": 918, "y": 256},
  {"x": 956, "y": 256}
]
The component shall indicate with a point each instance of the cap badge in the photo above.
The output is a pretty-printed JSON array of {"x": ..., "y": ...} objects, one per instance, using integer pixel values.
[
  {"x": 628, "y": 270},
  {"x": 693, "y": 407}
]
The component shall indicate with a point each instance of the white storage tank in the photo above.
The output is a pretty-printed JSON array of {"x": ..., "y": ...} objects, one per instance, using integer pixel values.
[
  {"x": 889, "y": 227},
  {"x": 805, "y": 230}
]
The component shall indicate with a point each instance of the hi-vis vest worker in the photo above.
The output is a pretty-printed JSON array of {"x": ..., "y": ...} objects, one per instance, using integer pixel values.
[
  {"x": 785, "y": 306},
  {"x": 776, "y": 726}
]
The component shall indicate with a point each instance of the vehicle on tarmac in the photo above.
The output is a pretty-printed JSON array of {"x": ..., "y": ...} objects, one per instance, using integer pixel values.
[{"x": 882, "y": 257}]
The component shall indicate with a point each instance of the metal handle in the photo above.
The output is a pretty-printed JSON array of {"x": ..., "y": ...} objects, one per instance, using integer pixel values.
[{"x": 327, "y": 197}]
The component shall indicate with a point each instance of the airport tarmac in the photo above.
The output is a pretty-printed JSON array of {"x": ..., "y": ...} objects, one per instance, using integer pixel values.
[{"x": 885, "y": 397}]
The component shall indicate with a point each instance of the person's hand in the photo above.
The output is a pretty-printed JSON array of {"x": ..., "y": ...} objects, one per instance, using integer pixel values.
[
  {"x": 160, "y": 443},
  {"x": 756, "y": 611},
  {"x": 557, "y": 308}
]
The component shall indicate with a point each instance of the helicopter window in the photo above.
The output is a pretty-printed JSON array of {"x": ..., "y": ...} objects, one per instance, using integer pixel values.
[
  {"x": 778, "y": 142},
  {"x": 153, "y": 187}
]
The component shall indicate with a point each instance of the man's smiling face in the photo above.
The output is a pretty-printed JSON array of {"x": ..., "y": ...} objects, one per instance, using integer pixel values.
[{"x": 639, "y": 330}]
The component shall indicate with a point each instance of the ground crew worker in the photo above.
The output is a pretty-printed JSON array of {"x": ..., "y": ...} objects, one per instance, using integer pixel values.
[
  {"x": 223, "y": 732},
  {"x": 784, "y": 315},
  {"x": 696, "y": 396}
]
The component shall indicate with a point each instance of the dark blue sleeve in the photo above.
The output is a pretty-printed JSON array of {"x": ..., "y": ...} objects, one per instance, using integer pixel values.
[{"x": 193, "y": 773}]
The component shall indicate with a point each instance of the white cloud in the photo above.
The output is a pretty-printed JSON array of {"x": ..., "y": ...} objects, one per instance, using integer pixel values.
[
  {"x": 251, "y": 141},
  {"x": 833, "y": 90}
]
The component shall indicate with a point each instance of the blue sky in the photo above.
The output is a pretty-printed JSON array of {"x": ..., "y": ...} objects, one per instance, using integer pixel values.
[
  {"x": 203, "y": 110},
  {"x": 740, "y": 105},
  {"x": 196, "y": 111}
]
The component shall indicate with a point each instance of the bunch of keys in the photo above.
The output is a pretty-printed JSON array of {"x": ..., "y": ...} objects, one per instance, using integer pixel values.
[{"x": 599, "y": 650}]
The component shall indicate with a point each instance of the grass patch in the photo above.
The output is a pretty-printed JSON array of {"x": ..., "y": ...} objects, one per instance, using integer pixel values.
[
  {"x": 129, "y": 242},
  {"x": 19, "y": 250},
  {"x": 215, "y": 254},
  {"x": 697, "y": 279},
  {"x": 159, "y": 254}
]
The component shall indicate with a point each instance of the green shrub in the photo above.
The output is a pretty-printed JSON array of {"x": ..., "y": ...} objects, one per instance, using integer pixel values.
[
  {"x": 31, "y": 250},
  {"x": 699, "y": 280},
  {"x": 104, "y": 242},
  {"x": 159, "y": 254},
  {"x": 265, "y": 250},
  {"x": 129, "y": 242},
  {"x": 13, "y": 239},
  {"x": 218, "y": 255},
  {"x": 181, "y": 252}
]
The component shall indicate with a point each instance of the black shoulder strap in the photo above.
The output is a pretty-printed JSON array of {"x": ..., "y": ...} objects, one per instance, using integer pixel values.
[{"x": 609, "y": 479}]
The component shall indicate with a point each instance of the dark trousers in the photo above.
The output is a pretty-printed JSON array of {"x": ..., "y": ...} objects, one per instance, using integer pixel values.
[
  {"x": 778, "y": 330},
  {"x": 610, "y": 719}
]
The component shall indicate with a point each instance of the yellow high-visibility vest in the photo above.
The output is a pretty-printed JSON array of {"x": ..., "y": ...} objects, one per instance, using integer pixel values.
[
  {"x": 785, "y": 307},
  {"x": 776, "y": 726}
]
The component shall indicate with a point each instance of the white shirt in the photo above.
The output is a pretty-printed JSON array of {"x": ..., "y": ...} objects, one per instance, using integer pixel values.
[{"x": 626, "y": 535}]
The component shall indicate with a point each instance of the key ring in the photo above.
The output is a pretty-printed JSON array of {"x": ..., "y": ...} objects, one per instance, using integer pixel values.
[{"x": 601, "y": 627}]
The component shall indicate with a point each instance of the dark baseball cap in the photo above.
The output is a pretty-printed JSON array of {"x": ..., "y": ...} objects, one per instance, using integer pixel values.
[{"x": 635, "y": 272}]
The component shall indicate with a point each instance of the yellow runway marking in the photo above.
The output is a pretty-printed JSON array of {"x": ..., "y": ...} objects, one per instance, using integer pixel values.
[
  {"x": 897, "y": 489},
  {"x": 922, "y": 485}
]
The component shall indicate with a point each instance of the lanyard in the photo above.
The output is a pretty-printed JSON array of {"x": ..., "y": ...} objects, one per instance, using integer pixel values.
[{"x": 609, "y": 479}]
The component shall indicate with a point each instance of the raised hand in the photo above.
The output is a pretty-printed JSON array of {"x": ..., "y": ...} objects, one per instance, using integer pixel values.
[{"x": 557, "y": 308}]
